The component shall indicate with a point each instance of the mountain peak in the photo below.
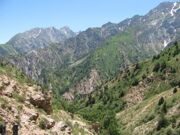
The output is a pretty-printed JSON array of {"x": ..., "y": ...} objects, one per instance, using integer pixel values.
[
  {"x": 65, "y": 28},
  {"x": 169, "y": 7},
  {"x": 40, "y": 38},
  {"x": 108, "y": 24},
  {"x": 67, "y": 31}
]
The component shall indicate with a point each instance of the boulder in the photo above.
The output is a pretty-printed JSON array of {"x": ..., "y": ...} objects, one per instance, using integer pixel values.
[
  {"x": 61, "y": 128},
  {"x": 50, "y": 123},
  {"x": 6, "y": 82},
  {"x": 46, "y": 123},
  {"x": 8, "y": 92},
  {"x": 10, "y": 88},
  {"x": 29, "y": 115},
  {"x": 33, "y": 116},
  {"x": 41, "y": 101}
]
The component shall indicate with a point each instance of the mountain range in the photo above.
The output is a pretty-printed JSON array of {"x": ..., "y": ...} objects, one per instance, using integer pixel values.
[
  {"x": 48, "y": 50},
  {"x": 120, "y": 78},
  {"x": 121, "y": 44},
  {"x": 39, "y": 38}
]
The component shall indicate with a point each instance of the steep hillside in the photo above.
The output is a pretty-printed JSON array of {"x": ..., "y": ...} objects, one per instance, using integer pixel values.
[
  {"x": 40, "y": 61},
  {"x": 151, "y": 116},
  {"x": 6, "y": 50},
  {"x": 27, "y": 105},
  {"x": 135, "y": 94}
]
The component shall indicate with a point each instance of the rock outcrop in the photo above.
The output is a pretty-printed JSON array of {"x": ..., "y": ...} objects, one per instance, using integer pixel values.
[
  {"x": 42, "y": 101},
  {"x": 85, "y": 87},
  {"x": 60, "y": 127},
  {"x": 30, "y": 108}
]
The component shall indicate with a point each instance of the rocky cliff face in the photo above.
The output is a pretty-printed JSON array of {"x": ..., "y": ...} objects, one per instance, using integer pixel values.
[
  {"x": 37, "y": 62},
  {"x": 91, "y": 39},
  {"x": 30, "y": 108},
  {"x": 159, "y": 26},
  {"x": 85, "y": 86}
]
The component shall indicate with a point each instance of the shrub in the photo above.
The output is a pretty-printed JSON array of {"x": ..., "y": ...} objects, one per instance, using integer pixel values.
[
  {"x": 175, "y": 43},
  {"x": 121, "y": 94},
  {"x": 1, "y": 121},
  {"x": 163, "y": 108},
  {"x": 162, "y": 122},
  {"x": 174, "y": 83},
  {"x": 109, "y": 123},
  {"x": 162, "y": 66},
  {"x": 155, "y": 57},
  {"x": 71, "y": 108},
  {"x": 137, "y": 66},
  {"x": 173, "y": 70},
  {"x": 178, "y": 125},
  {"x": 90, "y": 101},
  {"x": 134, "y": 82},
  {"x": 159, "y": 67},
  {"x": 174, "y": 90},
  {"x": 176, "y": 131},
  {"x": 147, "y": 70},
  {"x": 156, "y": 67},
  {"x": 106, "y": 87},
  {"x": 42, "y": 123},
  {"x": 161, "y": 101},
  {"x": 176, "y": 52},
  {"x": 3, "y": 106},
  {"x": 143, "y": 76},
  {"x": 169, "y": 131}
]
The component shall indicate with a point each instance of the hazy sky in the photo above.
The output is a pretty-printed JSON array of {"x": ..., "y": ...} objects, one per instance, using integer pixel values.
[{"x": 21, "y": 15}]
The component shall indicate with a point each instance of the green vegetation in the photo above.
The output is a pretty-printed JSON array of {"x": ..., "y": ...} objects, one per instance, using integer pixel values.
[
  {"x": 9, "y": 70},
  {"x": 42, "y": 123},
  {"x": 76, "y": 130},
  {"x": 159, "y": 75},
  {"x": 116, "y": 53},
  {"x": 108, "y": 105},
  {"x": 18, "y": 97}
]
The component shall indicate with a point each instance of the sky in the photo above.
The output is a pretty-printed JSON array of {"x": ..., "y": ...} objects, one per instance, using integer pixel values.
[{"x": 20, "y": 15}]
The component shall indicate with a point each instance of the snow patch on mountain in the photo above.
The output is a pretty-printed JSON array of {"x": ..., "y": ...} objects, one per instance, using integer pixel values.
[
  {"x": 166, "y": 43},
  {"x": 129, "y": 22},
  {"x": 174, "y": 8},
  {"x": 121, "y": 28},
  {"x": 36, "y": 35}
]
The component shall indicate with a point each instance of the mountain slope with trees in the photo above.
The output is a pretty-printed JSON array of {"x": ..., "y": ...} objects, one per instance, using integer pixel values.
[{"x": 143, "y": 95}]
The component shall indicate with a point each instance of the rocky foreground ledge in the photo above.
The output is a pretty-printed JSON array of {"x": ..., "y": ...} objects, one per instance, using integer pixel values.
[{"x": 30, "y": 108}]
